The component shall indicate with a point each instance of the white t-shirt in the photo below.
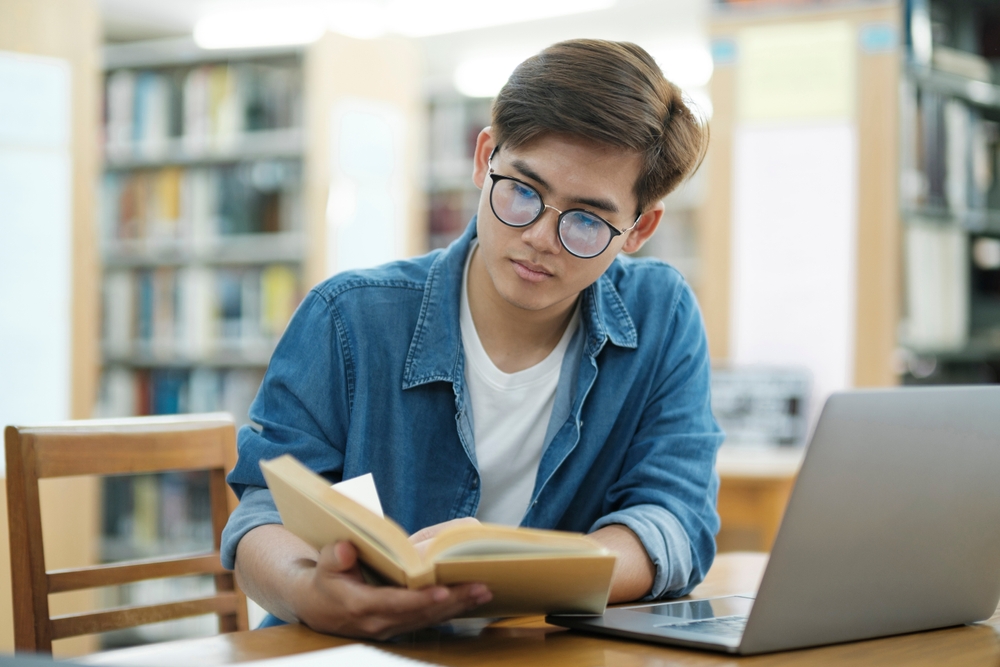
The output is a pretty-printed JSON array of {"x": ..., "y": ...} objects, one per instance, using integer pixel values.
[{"x": 510, "y": 416}]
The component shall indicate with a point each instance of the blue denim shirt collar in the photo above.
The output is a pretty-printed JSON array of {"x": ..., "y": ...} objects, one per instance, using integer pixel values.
[{"x": 435, "y": 352}]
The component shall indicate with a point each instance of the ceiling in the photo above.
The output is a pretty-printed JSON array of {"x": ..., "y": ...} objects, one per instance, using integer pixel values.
[{"x": 661, "y": 26}]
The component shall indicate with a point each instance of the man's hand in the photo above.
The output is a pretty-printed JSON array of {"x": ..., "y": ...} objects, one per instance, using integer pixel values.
[
  {"x": 339, "y": 602},
  {"x": 423, "y": 537},
  {"x": 326, "y": 591}
]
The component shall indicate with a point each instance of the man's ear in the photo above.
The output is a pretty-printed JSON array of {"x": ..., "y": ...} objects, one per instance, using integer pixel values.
[
  {"x": 480, "y": 159},
  {"x": 644, "y": 229}
]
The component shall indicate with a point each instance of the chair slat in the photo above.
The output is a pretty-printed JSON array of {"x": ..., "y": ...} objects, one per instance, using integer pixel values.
[
  {"x": 72, "y": 625},
  {"x": 67, "y": 454},
  {"x": 113, "y": 574}
]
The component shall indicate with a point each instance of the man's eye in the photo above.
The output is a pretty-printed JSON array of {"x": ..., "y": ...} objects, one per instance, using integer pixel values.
[{"x": 523, "y": 191}]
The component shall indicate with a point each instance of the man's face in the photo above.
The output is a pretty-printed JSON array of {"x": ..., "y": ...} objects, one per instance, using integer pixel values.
[{"x": 527, "y": 266}]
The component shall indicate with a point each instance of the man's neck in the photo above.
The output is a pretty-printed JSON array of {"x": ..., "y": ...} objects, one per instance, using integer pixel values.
[{"x": 514, "y": 338}]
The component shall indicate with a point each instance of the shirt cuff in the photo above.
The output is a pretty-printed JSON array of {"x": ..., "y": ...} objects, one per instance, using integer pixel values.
[
  {"x": 665, "y": 542},
  {"x": 256, "y": 508}
]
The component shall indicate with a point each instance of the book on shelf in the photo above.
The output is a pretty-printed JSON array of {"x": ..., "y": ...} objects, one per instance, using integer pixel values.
[
  {"x": 202, "y": 106},
  {"x": 195, "y": 311},
  {"x": 128, "y": 392},
  {"x": 937, "y": 287},
  {"x": 528, "y": 571},
  {"x": 199, "y": 204},
  {"x": 950, "y": 156}
]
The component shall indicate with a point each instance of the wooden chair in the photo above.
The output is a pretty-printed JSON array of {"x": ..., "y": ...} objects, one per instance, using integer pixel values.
[{"x": 112, "y": 447}]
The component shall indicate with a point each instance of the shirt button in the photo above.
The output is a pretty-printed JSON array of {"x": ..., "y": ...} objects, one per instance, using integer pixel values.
[{"x": 475, "y": 482}]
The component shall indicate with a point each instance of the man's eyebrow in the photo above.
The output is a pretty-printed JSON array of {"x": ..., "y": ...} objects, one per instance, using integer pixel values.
[{"x": 601, "y": 204}]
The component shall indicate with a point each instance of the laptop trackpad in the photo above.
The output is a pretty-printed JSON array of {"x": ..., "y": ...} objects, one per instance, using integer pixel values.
[{"x": 671, "y": 613}]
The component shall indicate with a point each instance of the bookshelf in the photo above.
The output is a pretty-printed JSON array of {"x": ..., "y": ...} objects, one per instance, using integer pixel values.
[
  {"x": 222, "y": 174},
  {"x": 950, "y": 193},
  {"x": 201, "y": 229}
]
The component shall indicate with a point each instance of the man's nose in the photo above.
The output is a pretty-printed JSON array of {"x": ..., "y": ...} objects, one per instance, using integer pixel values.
[{"x": 543, "y": 234}]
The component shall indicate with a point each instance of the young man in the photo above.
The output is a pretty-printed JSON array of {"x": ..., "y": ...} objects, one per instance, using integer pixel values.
[{"x": 525, "y": 375}]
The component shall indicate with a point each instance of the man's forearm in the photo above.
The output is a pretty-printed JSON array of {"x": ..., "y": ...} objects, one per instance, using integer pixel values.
[
  {"x": 634, "y": 571},
  {"x": 269, "y": 563}
]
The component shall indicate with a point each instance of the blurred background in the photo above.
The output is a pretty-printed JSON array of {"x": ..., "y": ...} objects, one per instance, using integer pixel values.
[{"x": 175, "y": 176}]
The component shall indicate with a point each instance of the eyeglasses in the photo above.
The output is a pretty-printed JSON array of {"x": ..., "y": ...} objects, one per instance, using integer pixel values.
[{"x": 517, "y": 204}]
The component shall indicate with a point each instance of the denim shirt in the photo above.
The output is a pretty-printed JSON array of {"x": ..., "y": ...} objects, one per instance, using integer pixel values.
[{"x": 369, "y": 377}]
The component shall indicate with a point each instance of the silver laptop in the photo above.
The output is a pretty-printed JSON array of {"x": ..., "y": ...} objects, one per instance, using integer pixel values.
[{"x": 893, "y": 526}]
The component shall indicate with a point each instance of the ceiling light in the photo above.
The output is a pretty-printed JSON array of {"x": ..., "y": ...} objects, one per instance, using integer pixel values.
[
  {"x": 358, "y": 19},
  {"x": 484, "y": 77},
  {"x": 435, "y": 17},
  {"x": 687, "y": 63},
  {"x": 263, "y": 26}
]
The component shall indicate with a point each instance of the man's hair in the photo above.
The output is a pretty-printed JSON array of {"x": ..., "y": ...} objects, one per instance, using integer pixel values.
[{"x": 611, "y": 93}]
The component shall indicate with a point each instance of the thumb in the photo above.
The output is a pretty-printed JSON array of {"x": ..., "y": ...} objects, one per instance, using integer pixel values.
[{"x": 338, "y": 557}]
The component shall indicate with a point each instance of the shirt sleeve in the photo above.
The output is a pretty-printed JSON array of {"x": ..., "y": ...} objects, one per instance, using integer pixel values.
[
  {"x": 256, "y": 508},
  {"x": 302, "y": 409},
  {"x": 667, "y": 490}
]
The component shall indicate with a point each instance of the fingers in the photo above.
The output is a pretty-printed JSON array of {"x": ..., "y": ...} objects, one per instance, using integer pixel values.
[
  {"x": 343, "y": 604},
  {"x": 391, "y": 611},
  {"x": 432, "y": 531},
  {"x": 339, "y": 558}
]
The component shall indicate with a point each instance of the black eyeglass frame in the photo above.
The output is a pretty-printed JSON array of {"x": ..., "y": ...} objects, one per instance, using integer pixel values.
[{"x": 494, "y": 177}]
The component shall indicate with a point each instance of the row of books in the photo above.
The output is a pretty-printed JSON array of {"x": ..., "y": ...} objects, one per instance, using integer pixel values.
[
  {"x": 127, "y": 392},
  {"x": 176, "y": 203},
  {"x": 205, "y": 105},
  {"x": 194, "y": 312},
  {"x": 954, "y": 161},
  {"x": 150, "y": 510},
  {"x": 146, "y": 516}
]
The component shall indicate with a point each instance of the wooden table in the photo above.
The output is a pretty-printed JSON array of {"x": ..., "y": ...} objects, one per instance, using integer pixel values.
[{"x": 529, "y": 641}]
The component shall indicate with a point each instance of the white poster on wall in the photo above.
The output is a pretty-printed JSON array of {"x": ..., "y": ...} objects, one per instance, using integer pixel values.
[
  {"x": 367, "y": 206},
  {"x": 794, "y": 251},
  {"x": 35, "y": 239}
]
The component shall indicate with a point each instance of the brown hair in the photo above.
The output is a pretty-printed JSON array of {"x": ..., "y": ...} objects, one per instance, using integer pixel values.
[{"x": 608, "y": 92}]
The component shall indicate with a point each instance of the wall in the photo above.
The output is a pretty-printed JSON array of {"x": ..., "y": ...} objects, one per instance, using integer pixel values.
[{"x": 70, "y": 30}]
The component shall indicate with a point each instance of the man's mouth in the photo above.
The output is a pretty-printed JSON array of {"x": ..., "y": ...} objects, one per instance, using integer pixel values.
[{"x": 530, "y": 272}]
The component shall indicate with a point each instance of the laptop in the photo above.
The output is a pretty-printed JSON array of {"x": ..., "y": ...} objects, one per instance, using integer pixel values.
[{"x": 893, "y": 526}]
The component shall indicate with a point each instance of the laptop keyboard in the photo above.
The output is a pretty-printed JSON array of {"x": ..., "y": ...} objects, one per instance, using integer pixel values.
[{"x": 727, "y": 626}]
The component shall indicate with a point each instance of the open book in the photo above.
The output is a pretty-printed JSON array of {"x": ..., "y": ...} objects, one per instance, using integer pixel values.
[{"x": 528, "y": 571}]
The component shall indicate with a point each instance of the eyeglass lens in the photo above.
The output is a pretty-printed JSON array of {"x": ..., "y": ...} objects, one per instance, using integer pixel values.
[{"x": 517, "y": 204}]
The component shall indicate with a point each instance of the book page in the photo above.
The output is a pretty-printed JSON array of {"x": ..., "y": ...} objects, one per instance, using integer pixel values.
[
  {"x": 490, "y": 540},
  {"x": 362, "y": 491}
]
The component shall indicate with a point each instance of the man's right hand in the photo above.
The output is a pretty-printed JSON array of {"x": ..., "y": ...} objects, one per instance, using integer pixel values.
[{"x": 326, "y": 591}]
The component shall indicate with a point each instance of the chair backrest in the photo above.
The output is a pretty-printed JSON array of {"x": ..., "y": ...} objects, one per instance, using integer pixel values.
[{"x": 112, "y": 447}]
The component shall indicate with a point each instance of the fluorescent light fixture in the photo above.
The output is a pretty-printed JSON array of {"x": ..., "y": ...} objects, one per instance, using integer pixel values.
[
  {"x": 435, "y": 17},
  {"x": 484, "y": 77},
  {"x": 358, "y": 18},
  {"x": 686, "y": 62},
  {"x": 260, "y": 26}
]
